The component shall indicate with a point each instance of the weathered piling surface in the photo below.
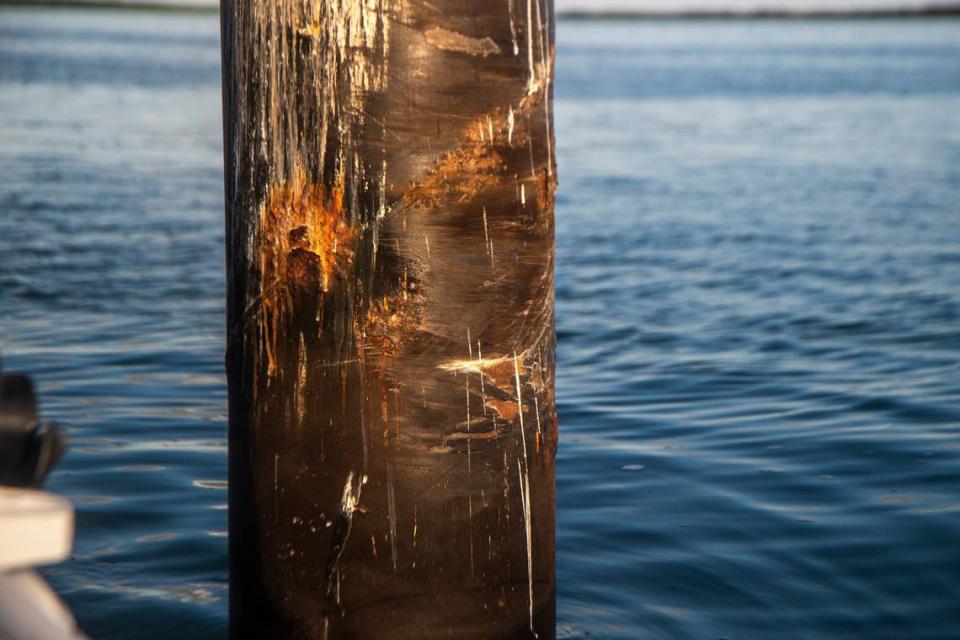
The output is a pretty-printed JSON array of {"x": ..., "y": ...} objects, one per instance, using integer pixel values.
[{"x": 390, "y": 192}]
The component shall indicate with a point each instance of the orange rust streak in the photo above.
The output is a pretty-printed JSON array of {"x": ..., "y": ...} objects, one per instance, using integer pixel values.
[
  {"x": 390, "y": 321},
  {"x": 546, "y": 190},
  {"x": 507, "y": 409},
  {"x": 304, "y": 215},
  {"x": 306, "y": 241},
  {"x": 466, "y": 172},
  {"x": 461, "y": 175}
]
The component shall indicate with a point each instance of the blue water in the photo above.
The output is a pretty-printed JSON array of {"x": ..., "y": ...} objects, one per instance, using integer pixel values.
[{"x": 758, "y": 316}]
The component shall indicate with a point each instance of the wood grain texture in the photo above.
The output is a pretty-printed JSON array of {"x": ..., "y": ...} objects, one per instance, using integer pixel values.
[{"x": 390, "y": 180}]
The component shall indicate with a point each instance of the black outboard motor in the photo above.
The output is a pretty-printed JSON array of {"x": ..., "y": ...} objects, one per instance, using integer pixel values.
[
  {"x": 36, "y": 527},
  {"x": 28, "y": 451}
]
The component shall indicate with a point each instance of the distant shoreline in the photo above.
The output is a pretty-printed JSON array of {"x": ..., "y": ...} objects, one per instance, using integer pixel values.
[
  {"x": 765, "y": 14},
  {"x": 171, "y": 7},
  {"x": 944, "y": 11}
]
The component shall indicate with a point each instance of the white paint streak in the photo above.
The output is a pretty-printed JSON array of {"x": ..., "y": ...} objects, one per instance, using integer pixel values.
[
  {"x": 523, "y": 434},
  {"x": 530, "y": 41},
  {"x": 486, "y": 235},
  {"x": 528, "y": 532},
  {"x": 383, "y": 192},
  {"x": 525, "y": 488},
  {"x": 469, "y": 469},
  {"x": 483, "y": 391},
  {"x": 513, "y": 30},
  {"x": 350, "y": 498},
  {"x": 480, "y": 365},
  {"x": 392, "y": 510},
  {"x": 536, "y": 409}
]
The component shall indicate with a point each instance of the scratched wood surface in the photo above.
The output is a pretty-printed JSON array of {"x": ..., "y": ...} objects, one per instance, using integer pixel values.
[{"x": 390, "y": 185}]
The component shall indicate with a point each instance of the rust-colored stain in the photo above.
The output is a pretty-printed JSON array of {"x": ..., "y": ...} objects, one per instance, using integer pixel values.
[
  {"x": 304, "y": 215},
  {"x": 546, "y": 189},
  {"x": 307, "y": 241},
  {"x": 507, "y": 409},
  {"x": 390, "y": 321},
  {"x": 475, "y": 165},
  {"x": 460, "y": 175},
  {"x": 503, "y": 371}
]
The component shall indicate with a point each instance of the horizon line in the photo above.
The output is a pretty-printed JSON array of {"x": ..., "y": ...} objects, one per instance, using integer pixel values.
[{"x": 924, "y": 11}]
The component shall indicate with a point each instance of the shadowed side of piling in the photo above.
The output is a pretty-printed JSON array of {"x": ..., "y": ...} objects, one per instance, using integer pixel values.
[{"x": 390, "y": 185}]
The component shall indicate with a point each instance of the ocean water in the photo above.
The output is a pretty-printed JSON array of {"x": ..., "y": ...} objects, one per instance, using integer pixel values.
[{"x": 758, "y": 310}]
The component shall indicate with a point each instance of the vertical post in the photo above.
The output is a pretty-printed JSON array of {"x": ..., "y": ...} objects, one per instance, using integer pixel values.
[{"x": 390, "y": 183}]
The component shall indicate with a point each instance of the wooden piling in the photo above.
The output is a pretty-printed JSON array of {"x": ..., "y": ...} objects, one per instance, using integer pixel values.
[{"x": 390, "y": 180}]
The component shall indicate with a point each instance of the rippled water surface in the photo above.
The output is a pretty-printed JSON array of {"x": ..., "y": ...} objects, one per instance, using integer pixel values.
[{"x": 758, "y": 316}]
